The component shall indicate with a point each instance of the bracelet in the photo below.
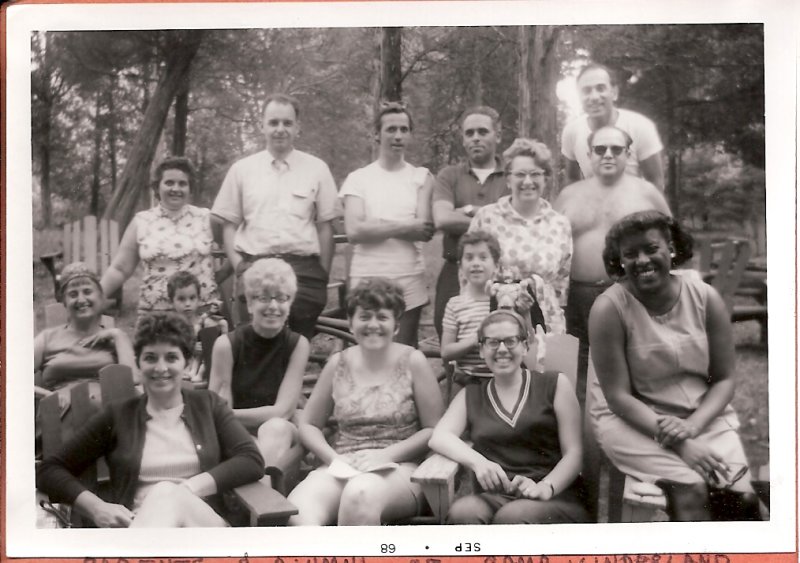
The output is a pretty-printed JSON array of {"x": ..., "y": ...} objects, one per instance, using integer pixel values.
[{"x": 552, "y": 488}]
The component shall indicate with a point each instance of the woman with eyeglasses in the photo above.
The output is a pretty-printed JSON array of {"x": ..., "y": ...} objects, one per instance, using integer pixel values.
[
  {"x": 525, "y": 428},
  {"x": 387, "y": 216},
  {"x": 258, "y": 368},
  {"x": 535, "y": 240}
]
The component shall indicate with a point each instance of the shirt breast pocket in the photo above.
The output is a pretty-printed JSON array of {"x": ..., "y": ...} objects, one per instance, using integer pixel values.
[{"x": 301, "y": 202}]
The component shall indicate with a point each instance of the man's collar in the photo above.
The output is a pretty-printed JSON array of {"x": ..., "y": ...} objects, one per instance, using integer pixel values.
[
  {"x": 498, "y": 164},
  {"x": 287, "y": 158}
]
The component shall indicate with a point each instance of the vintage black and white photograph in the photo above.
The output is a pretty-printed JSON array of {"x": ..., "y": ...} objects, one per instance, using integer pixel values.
[{"x": 340, "y": 269}]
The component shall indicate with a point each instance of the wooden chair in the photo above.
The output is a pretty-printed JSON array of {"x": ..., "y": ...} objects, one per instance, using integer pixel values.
[
  {"x": 262, "y": 505},
  {"x": 87, "y": 240},
  {"x": 723, "y": 264},
  {"x": 437, "y": 474}
]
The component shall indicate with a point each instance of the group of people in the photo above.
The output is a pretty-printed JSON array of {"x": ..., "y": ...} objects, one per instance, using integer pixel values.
[{"x": 597, "y": 263}]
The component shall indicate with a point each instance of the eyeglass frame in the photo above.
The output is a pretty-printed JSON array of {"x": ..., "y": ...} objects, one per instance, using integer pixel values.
[
  {"x": 535, "y": 175},
  {"x": 485, "y": 341},
  {"x": 616, "y": 150},
  {"x": 280, "y": 299}
]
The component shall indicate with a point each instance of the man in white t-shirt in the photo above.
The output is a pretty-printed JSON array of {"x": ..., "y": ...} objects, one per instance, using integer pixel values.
[{"x": 597, "y": 88}]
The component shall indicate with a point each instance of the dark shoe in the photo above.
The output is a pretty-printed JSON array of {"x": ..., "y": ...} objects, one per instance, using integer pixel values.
[
  {"x": 686, "y": 502},
  {"x": 725, "y": 504}
]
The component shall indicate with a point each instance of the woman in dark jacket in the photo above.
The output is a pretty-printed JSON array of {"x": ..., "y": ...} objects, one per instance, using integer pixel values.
[{"x": 170, "y": 452}]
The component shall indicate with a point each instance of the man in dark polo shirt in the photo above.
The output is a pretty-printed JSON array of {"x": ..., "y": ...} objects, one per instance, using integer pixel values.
[{"x": 460, "y": 190}]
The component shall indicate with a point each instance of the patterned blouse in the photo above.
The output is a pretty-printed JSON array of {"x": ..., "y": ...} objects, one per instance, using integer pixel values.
[
  {"x": 168, "y": 244},
  {"x": 373, "y": 416},
  {"x": 541, "y": 245}
]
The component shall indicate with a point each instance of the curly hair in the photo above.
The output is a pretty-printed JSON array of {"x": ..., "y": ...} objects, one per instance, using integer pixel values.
[
  {"x": 179, "y": 280},
  {"x": 164, "y": 328},
  {"x": 269, "y": 273},
  {"x": 639, "y": 222},
  {"x": 477, "y": 237},
  {"x": 500, "y": 315},
  {"x": 532, "y": 148},
  {"x": 374, "y": 294},
  {"x": 173, "y": 163}
]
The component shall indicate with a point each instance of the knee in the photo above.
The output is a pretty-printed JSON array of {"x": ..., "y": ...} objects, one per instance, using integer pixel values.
[
  {"x": 362, "y": 502},
  {"x": 469, "y": 510},
  {"x": 276, "y": 429}
]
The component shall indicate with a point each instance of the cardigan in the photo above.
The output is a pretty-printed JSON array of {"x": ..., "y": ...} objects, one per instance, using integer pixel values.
[{"x": 224, "y": 448}]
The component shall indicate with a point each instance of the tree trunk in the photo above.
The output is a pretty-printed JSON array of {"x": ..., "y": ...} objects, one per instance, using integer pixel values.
[
  {"x": 112, "y": 136},
  {"x": 135, "y": 175},
  {"x": 94, "y": 201},
  {"x": 391, "y": 71},
  {"x": 181, "y": 118},
  {"x": 44, "y": 148},
  {"x": 538, "y": 76}
]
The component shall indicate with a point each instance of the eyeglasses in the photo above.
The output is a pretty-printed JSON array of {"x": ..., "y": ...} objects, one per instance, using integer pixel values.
[
  {"x": 494, "y": 343},
  {"x": 600, "y": 150},
  {"x": 534, "y": 175},
  {"x": 280, "y": 298},
  {"x": 720, "y": 482}
]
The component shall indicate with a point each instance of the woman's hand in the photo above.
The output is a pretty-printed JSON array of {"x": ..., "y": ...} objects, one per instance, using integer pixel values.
[
  {"x": 525, "y": 487},
  {"x": 108, "y": 515},
  {"x": 491, "y": 477},
  {"x": 702, "y": 459},
  {"x": 364, "y": 460},
  {"x": 672, "y": 430},
  {"x": 106, "y": 336}
]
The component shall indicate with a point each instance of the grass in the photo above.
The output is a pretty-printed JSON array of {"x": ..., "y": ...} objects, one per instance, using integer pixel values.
[{"x": 750, "y": 402}]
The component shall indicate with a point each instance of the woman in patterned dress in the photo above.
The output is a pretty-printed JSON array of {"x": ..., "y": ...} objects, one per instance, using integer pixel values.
[
  {"x": 536, "y": 242},
  {"x": 385, "y": 400},
  {"x": 173, "y": 236}
]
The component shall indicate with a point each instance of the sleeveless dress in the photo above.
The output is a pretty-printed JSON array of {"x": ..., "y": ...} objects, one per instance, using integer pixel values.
[
  {"x": 373, "y": 416},
  {"x": 169, "y": 244},
  {"x": 668, "y": 360}
]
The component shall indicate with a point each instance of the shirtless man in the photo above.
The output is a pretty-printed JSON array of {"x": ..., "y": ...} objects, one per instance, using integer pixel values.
[{"x": 592, "y": 207}]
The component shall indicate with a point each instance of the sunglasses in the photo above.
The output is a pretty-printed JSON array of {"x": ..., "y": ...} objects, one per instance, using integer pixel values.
[
  {"x": 720, "y": 482},
  {"x": 600, "y": 150}
]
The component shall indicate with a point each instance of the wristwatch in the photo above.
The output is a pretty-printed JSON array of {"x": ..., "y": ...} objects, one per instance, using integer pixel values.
[{"x": 469, "y": 210}]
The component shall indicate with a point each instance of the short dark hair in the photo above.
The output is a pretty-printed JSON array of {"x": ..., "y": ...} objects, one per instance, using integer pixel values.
[
  {"x": 477, "y": 237},
  {"x": 173, "y": 163},
  {"x": 628, "y": 139},
  {"x": 168, "y": 328},
  {"x": 285, "y": 99},
  {"x": 179, "y": 280},
  {"x": 374, "y": 294},
  {"x": 612, "y": 76},
  {"x": 496, "y": 316},
  {"x": 532, "y": 148},
  {"x": 641, "y": 221},
  {"x": 489, "y": 112},
  {"x": 386, "y": 108}
]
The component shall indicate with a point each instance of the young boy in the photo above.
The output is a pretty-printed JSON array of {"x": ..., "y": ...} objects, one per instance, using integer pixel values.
[
  {"x": 479, "y": 254},
  {"x": 183, "y": 290}
]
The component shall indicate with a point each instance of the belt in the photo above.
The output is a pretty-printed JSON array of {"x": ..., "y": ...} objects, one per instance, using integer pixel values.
[{"x": 281, "y": 255}]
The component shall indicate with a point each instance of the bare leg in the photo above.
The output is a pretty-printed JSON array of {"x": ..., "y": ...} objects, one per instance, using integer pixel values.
[
  {"x": 171, "y": 506},
  {"x": 317, "y": 499},
  {"x": 275, "y": 437},
  {"x": 372, "y": 498}
]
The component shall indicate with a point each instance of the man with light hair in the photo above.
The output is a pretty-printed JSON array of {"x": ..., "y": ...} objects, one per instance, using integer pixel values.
[
  {"x": 598, "y": 91},
  {"x": 280, "y": 203}
]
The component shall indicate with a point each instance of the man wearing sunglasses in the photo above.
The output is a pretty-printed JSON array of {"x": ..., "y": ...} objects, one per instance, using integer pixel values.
[
  {"x": 598, "y": 90},
  {"x": 592, "y": 207}
]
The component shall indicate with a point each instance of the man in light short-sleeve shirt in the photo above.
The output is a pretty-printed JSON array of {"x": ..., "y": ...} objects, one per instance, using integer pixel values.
[
  {"x": 280, "y": 203},
  {"x": 598, "y": 91}
]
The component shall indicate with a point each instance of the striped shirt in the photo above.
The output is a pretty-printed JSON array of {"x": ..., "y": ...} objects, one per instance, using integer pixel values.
[{"x": 463, "y": 315}]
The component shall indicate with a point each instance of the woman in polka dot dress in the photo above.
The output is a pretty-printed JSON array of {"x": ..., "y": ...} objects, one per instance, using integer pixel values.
[{"x": 536, "y": 242}]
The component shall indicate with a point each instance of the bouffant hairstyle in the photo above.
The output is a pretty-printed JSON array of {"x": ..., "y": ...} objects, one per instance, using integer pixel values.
[
  {"x": 164, "y": 328},
  {"x": 532, "y": 148},
  {"x": 179, "y": 280},
  {"x": 681, "y": 241},
  {"x": 477, "y": 237},
  {"x": 374, "y": 294},
  {"x": 271, "y": 274},
  {"x": 387, "y": 108},
  {"x": 173, "y": 163},
  {"x": 500, "y": 315}
]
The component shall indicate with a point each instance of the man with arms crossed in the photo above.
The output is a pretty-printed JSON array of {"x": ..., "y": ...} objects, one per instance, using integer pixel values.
[
  {"x": 280, "y": 203},
  {"x": 461, "y": 189},
  {"x": 597, "y": 88},
  {"x": 592, "y": 207}
]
